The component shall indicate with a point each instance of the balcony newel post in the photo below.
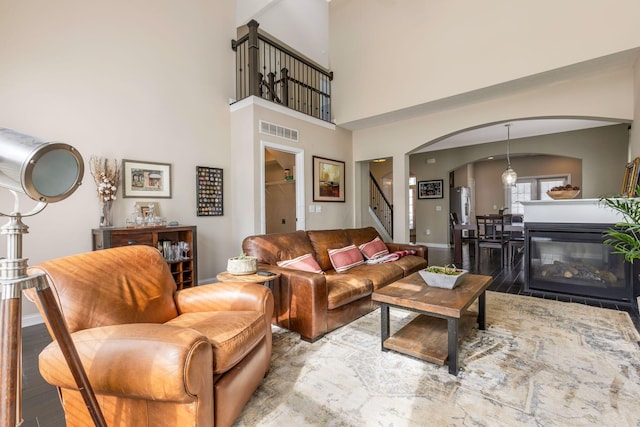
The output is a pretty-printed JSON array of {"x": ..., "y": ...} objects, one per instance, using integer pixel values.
[{"x": 254, "y": 80}]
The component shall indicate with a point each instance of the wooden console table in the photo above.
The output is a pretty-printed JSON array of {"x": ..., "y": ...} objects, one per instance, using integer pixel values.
[{"x": 184, "y": 271}]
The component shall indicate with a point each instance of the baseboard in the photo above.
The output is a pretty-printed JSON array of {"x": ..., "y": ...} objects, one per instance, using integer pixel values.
[
  {"x": 31, "y": 320},
  {"x": 434, "y": 245}
]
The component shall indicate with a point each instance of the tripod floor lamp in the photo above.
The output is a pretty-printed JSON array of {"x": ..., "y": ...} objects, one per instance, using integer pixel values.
[{"x": 47, "y": 172}]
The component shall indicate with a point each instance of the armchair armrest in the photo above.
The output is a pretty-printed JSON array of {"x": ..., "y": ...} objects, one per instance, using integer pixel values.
[
  {"x": 421, "y": 250},
  {"x": 225, "y": 296},
  {"x": 128, "y": 359}
]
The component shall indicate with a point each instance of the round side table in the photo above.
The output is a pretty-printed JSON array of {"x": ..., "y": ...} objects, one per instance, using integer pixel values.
[{"x": 250, "y": 278}]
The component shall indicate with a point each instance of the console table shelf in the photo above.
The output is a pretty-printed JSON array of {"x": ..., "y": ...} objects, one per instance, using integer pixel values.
[{"x": 184, "y": 271}]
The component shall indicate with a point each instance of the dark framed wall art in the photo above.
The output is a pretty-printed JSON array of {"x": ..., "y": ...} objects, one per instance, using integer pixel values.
[
  {"x": 430, "y": 189},
  {"x": 209, "y": 191}
]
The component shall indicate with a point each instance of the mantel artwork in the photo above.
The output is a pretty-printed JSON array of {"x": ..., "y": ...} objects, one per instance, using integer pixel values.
[
  {"x": 630, "y": 179},
  {"x": 328, "y": 180},
  {"x": 144, "y": 179},
  {"x": 430, "y": 189}
]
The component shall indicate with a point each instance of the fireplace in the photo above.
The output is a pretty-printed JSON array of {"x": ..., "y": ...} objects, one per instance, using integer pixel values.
[{"x": 571, "y": 259}]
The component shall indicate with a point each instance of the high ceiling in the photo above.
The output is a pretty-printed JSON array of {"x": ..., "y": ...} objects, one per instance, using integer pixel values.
[{"x": 518, "y": 129}]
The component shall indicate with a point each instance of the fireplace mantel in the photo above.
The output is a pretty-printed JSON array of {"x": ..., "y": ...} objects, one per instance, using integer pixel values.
[{"x": 582, "y": 211}]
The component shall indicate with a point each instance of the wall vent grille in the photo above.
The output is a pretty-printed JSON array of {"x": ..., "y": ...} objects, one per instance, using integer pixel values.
[{"x": 279, "y": 131}]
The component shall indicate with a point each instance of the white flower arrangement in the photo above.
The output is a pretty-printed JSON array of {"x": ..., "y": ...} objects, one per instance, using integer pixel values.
[{"x": 106, "y": 174}]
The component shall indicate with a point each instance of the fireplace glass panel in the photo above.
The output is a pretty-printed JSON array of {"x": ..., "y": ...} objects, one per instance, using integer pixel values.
[
  {"x": 576, "y": 263},
  {"x": 580, "y": 263}
]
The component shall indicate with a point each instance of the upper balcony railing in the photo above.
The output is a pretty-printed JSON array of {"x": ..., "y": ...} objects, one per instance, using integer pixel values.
[{"x": 271, "y": 71}]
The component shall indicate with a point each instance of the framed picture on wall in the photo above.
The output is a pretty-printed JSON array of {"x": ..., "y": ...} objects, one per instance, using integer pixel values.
[
  {"x": 328, "y": 180},
  {"x": 430, "y": 189},
  {"x": 146, "y": 179}
]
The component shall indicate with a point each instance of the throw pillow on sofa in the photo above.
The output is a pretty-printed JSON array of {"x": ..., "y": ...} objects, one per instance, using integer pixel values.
[
  {"x": 345, "y": 258},
  {"x": 304, "y": 262},
  {"x": 374, "y": 249}
]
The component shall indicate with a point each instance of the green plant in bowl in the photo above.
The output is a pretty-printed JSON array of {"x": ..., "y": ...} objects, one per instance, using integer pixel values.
[
  {"x": 449, "y": 270},
  {"x": 442, "y": 277}
]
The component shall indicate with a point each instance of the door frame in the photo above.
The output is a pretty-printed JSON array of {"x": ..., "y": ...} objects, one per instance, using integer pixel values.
[{"x": 299, "y": 180}]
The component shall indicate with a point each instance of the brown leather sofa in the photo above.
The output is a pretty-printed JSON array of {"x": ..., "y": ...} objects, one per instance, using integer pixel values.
[
  {"x": 313, "y": 304},
  {"x": 155, "y": 356}
]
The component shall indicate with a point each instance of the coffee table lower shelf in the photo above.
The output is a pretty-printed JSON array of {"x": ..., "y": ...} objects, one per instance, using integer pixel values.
[{"x": 426, "y": 337}]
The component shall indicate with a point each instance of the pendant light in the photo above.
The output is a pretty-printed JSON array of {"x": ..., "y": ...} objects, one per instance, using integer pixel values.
[{"x": 509, "y": 176}]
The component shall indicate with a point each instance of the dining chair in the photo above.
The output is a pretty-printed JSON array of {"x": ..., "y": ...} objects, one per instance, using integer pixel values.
[{"x": 492, "y": 235}]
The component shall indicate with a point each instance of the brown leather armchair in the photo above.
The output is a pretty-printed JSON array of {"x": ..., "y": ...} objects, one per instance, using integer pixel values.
[{"x": 156, "y": 356}]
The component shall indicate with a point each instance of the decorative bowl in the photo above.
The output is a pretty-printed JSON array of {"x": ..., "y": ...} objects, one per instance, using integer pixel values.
[
  {"x": 563, "y": 194},
  {"x": 240, "y": 266},
  {"x": 436, "y": 276}
]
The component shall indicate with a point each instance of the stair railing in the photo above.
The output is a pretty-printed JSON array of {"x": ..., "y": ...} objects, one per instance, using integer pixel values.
[
  {"x": 380, "y": 205},
  {"x": 270, "y": 70}
]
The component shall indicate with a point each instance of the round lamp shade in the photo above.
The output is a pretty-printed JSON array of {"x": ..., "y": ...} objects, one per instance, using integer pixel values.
[
  {"x": 44, "y": 171},
  {"x": 509, "y": 177}
]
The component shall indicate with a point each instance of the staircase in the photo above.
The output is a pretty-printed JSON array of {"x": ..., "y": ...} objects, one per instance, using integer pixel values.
[{"x": 380, "y": 206}]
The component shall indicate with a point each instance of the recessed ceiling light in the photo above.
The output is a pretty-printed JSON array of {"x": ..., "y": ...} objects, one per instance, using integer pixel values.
[
  {"x": 490, "y": 158},
  {"x": 379, "y": 160}
]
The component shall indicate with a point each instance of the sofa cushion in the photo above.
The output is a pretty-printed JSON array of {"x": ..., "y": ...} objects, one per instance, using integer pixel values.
[
  {"x": 345, "y": 288},
  {"x": 304, "y": 263},
  {"x": 345, "y": 258},
  {"x": 358, "y": 236},
  {"x": 271, "y": 248},
  {"x": 374, "y": 248},
  {"x": 379, "y": 274},
  {"x": 410, "y": 264},
  {"x": 232, "y": 334},
  {"x": 323, "y": 240}
]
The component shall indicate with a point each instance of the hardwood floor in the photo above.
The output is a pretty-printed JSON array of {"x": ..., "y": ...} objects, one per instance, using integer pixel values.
[{"x": 41, "y": 407}]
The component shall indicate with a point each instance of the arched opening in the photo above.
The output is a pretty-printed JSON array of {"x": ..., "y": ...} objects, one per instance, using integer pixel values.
[{"x": 577, "y": 155}]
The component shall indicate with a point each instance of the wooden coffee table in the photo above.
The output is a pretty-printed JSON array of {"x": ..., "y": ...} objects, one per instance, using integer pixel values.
[{"x": 444, "y": 319}]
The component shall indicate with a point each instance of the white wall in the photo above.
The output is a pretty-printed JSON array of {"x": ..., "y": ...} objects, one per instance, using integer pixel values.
[
  {"x": 129, "y": 80},
  {"x": 634, "y": 139},
  {"x": 316, "y": 138},
  {"x": 393, "y": 55},
  {"x": 302, "y": 24}
]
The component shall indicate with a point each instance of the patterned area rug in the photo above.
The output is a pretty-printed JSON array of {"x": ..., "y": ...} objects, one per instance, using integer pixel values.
[{"x": 539, "y": 363}]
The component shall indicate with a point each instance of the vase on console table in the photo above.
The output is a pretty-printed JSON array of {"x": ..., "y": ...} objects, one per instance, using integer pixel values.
[{"x": 106, "y": 217}]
